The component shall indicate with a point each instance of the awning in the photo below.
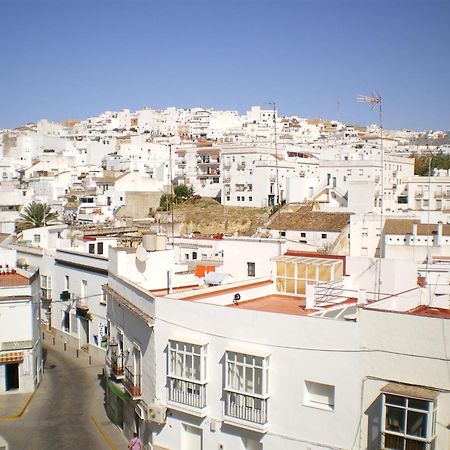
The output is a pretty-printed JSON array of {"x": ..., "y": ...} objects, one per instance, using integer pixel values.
[
  {"x": 408, "y": 390},
  {"x": 117, "y": 391},
  {"x": 12, "y": 357}
]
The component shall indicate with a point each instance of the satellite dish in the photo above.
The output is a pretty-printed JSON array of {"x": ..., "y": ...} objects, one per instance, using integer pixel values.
[{"x": 141, "y": 253}]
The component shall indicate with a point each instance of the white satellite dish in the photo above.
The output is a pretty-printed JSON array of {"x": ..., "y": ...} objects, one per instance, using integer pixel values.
[{"x": 141, "y": 253}]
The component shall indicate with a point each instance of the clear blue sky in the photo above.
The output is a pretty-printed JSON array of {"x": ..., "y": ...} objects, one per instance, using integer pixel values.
[{"x": 67, "y": 58}]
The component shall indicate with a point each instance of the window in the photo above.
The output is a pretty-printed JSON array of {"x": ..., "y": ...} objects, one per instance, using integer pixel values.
[
  {"x": 251, "y": 269},
  {"x": 250, "y": 199},
  {"x": 66, "y": 283},
  {"x": 36, "y": 238},
  {"x": 409, "y": 423},
  {"x": 283, "y": 233},
  {"x": 100, "y": 248},
  {"x": 187, "y": 373},
  {"x": 228, "y": 198},
  {"x": 91, "y": 248},
  {"x": 303, "y": 235},
  {"x": 246, "y": 383},
  {"x": 46, "y": 287},
  {"x": 319, "y": 395},
  {"x": 194, "y": 255},
  {"x": 324, "y": 235}
]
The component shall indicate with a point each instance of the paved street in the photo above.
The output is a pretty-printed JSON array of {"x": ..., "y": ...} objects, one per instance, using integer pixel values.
[{"x": 67, "y": 410}]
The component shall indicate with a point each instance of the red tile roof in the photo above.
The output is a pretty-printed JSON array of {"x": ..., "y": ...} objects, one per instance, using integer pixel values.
[{"x": 13, "y": 279}]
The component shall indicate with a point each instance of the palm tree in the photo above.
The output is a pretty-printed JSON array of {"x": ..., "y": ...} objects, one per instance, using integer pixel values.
[{"x": 36, "y": 215}]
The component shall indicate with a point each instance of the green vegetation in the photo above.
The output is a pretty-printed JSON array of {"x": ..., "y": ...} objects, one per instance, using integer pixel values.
[
  {"x": 36, "y": 215},
  {"x": 438, "y": 160},
  {"x": 181, "y": 194}
]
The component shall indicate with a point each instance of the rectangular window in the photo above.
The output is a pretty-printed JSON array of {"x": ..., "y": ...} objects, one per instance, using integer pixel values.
[
  {"x": 36, "y": 238},
  {"x": 100, "y": 248},
  {"x": 250, "y": 199},
  {"x": 303, "y": 235},
  {"x": 319, "y": 395},
  {"x": 324, "y": 235},
  {"x": 408, "y": 423},
  {"x": 246, "y": 383},
  {"x": 187, "y": 373},
  {"x": 91, "y": 248},
  {"x": 194, "y": 255},
  {"x": 251, "y": 269},
  {"x": 66, "y": 283}
]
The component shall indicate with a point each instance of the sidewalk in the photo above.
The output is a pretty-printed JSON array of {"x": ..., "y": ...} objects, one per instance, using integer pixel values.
[{"x": 12, "y": 406}]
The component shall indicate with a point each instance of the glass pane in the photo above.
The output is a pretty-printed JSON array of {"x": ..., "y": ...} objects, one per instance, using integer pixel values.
[
  {"x": 189, "y": 348},
  {"x": 188, "y": 368},
  {"x": 240, "y": 378},
  {"x": 196, "y": 374},
  {"x": 418, "y": 404},
  {"x": 249, "y": 380},
  {"x": 415, "y": 445},
  {"x": 197, "y": 349},
  {"x": 324, "y": 273},
  {"x": 231, "y": 376},
  {"x": 290, "y": 286},
  {"x": 395, "y": 400},
  {"x": 248, "y": 360},
  {"x": 290, "y": 270},
  {"x": 301, "y": 271},
  {"x": 416, "y": 424},
  {"x": 258, "y": 361},
  {"x": 258, "y": 381},
  {"x": 311, "y": 271},
  {"x": 240, "y": 358},
  {"x": 179, "y": 365},
  {"x": 280, "y": 268},
  {"x": 280, "y": 285},
  {"x": 338, "y": 271},
  {"x": 301, "y": 286},
  {"x": 393, "y": 442},
  {"x": 173, "y": 344},
  {"x": 172, "y": 362},
  {"x": 395, "y": 419}
]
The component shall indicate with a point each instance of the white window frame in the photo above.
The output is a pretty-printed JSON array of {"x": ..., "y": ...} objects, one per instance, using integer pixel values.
[
  {"x": 187, "y": 353},
  {"x": 248, "y": 365},
  {"x": 388, "y": 402}
]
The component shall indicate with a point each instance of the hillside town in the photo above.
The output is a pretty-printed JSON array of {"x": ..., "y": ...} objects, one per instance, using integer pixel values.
[{"x": 248, "y": 281}]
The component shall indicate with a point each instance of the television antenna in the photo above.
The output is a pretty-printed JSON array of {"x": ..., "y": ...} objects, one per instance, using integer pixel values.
[{"x": 376, "y": 101}]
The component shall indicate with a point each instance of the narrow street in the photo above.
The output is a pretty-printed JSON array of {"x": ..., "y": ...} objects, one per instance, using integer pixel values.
[{"x": 67, "y": 409}]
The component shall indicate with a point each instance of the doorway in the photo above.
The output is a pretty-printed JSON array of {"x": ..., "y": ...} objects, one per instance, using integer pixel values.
[
  {"x": 84, "y": 332},
  {"x": 12, "y": 376}
]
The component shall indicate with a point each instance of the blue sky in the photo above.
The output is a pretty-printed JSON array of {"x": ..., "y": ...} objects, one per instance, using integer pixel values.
[{"x": 67, "y": 58}]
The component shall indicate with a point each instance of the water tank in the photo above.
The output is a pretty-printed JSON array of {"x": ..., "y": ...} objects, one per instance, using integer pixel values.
[{"x": 153, "y": 241}]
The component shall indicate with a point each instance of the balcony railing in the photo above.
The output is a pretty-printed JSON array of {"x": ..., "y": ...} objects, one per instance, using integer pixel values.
[
  {"x": 46, "y": 295},
  {"x": 392, "y": 441},
  {"x": 117, "y": 365},
  {"x": 132, "y": 383},
  {"x": 246, "y": 407},
  {"x": 187, "y": 393}
]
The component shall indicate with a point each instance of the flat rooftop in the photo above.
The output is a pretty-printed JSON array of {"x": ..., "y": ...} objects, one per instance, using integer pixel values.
[{"x": 276, "y": 303}]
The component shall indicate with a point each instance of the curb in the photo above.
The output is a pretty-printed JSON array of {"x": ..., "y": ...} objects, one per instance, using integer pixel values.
[
  {"x": 21, "y": 412},
  {"x": 105, "y": 435}
]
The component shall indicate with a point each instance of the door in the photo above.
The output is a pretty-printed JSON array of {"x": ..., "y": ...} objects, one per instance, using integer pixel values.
[
  {"x": 11, "y": 376},
  {"x": 192, "y": 438},
  {"x": 84, "y": 331}
]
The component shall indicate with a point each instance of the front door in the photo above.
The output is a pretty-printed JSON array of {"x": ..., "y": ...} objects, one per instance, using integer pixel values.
[{"x": 11, "y": 376}]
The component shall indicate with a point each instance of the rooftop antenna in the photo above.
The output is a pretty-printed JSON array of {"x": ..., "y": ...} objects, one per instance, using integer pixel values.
[{"x": 376, "y": 101}]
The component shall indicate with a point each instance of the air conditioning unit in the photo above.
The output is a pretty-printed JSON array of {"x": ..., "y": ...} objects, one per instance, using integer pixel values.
[
  {"x": 157, "y": 414},
  {"x": 64, "y": 296}
]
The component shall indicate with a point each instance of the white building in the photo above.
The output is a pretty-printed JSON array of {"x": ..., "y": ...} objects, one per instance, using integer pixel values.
[{"x": 20, "y": 342}]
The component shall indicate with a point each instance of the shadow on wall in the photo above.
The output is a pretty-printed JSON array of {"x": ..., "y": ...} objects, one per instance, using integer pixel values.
[{"x": 373, "y": 413}]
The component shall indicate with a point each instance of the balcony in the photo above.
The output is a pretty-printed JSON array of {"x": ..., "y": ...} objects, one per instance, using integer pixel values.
[
  {"x": 187, "y": 393},
  {"x": 246, "y": 408},
  {"x": 132, "y": 383},
  {"x": 116, "y": 364},
  {"x": 46, "y": 295}
]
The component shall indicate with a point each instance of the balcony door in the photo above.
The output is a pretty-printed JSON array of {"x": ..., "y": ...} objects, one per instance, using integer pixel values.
[
  {"x": 84, "y": 331},
  {"x": 192, "y": 438}
]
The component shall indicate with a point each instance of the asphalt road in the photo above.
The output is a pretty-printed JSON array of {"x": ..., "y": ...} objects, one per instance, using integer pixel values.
[{"x": 60, "y": 414}]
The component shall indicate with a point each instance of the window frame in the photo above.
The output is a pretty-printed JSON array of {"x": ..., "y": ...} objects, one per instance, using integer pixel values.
[
  {"x": 430, "y": 414},
  {"x": 174, "y": 348}
]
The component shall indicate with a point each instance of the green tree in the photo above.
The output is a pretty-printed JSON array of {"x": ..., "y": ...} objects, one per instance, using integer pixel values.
[
  {"x": 36, "y": 215},
  {"x": 182, "y": 193}
]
